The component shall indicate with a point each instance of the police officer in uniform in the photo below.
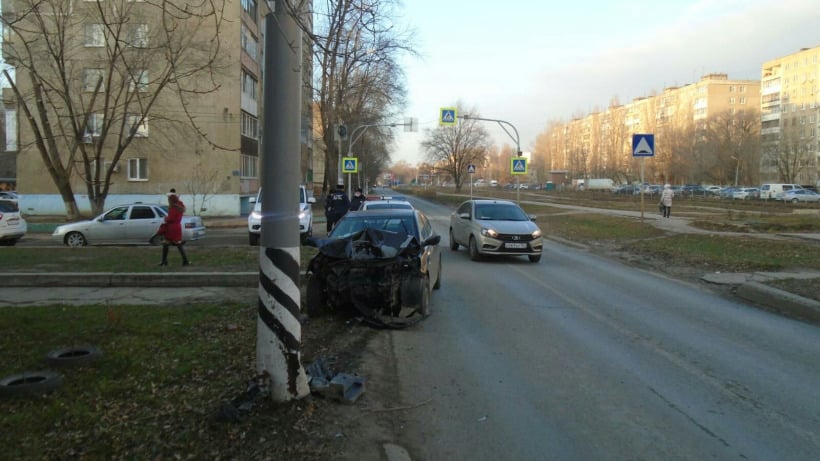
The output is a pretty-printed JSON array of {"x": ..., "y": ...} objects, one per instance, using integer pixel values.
[{"x": 336, "y": 205}]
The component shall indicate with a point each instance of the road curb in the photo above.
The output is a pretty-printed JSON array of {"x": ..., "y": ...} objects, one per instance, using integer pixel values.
[
  {"x": 781, "y": 301},
  {"x": 132, "y": 279}
]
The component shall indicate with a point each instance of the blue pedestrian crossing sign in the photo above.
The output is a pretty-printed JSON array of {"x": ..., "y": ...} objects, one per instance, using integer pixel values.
[
  {"x": 643, "y": 145},
  {"x": 350, "y": 164},
  {"x": 470, "y": 168},
  {"x": 448, "y": 116},
  {"x": 518, "y": 165}
]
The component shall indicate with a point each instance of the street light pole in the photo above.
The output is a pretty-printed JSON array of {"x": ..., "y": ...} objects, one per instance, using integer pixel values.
[
  {"x": 363, "y": 128},
  {"x": 737, "y": 169},
  {"x": 515, "y": 138}
]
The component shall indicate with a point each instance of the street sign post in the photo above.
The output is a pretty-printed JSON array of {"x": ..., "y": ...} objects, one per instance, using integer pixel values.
[
  {"x": 643, "y": 145},
  {"x": 471, "y": 172}
]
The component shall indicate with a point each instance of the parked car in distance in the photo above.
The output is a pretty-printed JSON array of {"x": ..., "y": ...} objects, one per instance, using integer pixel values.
[
  {"x": 713, "y": 190},
  {"x": 776, "y": 190},
  {"x": 801, "y": 195},
  {"x": 693, "y": 190},
  {"x": 12, "y": 225},
  {"x": 746, "y": 193},
  {"x": 9, "y": 195},
  {"x": 134, "y": 223},
  {"x": 305, "y": 216},
  {"x": 495, "y": 227}
]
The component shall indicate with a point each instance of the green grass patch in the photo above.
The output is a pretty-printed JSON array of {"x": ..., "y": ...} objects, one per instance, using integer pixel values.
[
  {"x": 730, "y": 253},
  {"x": 135, "y": 259},
  {"x": 162, "y": 375},
  {"x": 590, "y": 227}
]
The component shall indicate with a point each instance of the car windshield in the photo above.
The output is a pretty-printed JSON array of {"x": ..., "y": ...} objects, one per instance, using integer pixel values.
[
  {"x": 500, "y": 212},
  {"x": 350, "y": 225}
]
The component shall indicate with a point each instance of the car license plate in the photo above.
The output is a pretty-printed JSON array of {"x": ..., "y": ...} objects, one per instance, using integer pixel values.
[
  {"x": 14, "y": 222},
  {"x": 515, "y": 245}
]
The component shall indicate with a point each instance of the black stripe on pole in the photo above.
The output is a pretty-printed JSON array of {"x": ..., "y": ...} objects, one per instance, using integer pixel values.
[{"x": 287, "y": 338}]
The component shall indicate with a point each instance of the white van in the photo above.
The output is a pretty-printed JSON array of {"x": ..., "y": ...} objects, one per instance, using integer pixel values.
[
  {"x": 305, "y": 216},
  {"x": 776, "y": 190}
]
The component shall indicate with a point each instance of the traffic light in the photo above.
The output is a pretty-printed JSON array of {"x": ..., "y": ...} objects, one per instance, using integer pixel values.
[{"x": 343, "y": 131}]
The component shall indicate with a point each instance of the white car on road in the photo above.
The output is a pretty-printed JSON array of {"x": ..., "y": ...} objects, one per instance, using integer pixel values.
[{"x": 305, "y": 216}]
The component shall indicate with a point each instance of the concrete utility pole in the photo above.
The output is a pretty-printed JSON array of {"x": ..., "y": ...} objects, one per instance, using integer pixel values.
[{"x": 279, "y": 332}]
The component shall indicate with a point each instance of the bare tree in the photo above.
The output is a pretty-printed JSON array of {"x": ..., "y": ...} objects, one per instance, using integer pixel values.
[
  {"x": 452, "y": 148},
  {"x": 792, "y": 153},
  {"x": 731, "y": 140},
  {"x": 358, "y": 80}
]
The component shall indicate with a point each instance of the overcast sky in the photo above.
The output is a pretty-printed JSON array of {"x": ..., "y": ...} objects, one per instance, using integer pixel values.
[{"x": 532, "y": 61}]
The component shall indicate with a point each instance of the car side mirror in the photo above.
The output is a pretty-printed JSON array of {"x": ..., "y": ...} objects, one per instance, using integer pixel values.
[
  {"x": 252, "y": 200},
  {"x": 464, "y": 215},
  {"x": 532, "y": 217},
  {"x": 311, "y": 199},
  {"x": 434, "y": 240}
]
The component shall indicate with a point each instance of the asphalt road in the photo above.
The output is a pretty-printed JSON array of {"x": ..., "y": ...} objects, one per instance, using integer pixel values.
[{"x": 579, "y": 357}]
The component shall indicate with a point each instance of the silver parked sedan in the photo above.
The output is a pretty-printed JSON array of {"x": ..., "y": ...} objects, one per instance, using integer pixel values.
[
  {"x": 126, "y": 224},
  {"x": 495, "y": 227}
]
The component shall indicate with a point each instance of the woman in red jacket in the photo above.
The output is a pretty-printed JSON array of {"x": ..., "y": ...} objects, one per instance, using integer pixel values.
[{"x": 171, "y": 229}]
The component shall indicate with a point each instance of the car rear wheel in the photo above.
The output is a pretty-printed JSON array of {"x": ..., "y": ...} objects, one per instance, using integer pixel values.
[
  {"x": 316, "y": 298},
  {"x": 453, "y": 244},
  {"x": 534, "y": 258},
  {"x": 75, "y": 240},
  {"x": 474, "y": 254}
]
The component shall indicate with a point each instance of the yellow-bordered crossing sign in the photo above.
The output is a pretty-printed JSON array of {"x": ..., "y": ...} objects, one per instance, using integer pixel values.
[{"x": 350, "y": 164}]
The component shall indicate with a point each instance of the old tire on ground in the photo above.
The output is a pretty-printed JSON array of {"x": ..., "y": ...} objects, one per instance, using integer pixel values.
[
  {"x": 453, "y": 243},
  {"x": 474, "y": 254},
  {"x": 75, "y": 240},
  {"x": 31, "y": 383},
  {"x": 316, "y": 298},
  {"x": 72, "y": 356}
]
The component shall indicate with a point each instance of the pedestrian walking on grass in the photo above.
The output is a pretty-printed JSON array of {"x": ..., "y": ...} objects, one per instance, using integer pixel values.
[
  {"x": 171, "y": 229},
  {"x": 666, "y": 200}
]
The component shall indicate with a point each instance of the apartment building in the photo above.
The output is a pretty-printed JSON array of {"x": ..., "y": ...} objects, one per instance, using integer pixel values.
[
  {"x": 599, "y": 144},
  {"x": 790, "y": 118},
  {"x": 202, "y": 131}
]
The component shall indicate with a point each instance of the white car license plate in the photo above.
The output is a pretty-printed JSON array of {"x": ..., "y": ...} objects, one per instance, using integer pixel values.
[
  {"x": 515, "y": 245},
  {"x": 14, "y": 222}
]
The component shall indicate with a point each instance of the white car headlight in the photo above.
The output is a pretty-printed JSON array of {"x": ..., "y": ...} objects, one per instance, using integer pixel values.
[
  {"x": 536, "y": 233},
  {"x": 302, "y": 215},
  {"x": 489, "y": 232},
  {"x": 256, "y": 215}
]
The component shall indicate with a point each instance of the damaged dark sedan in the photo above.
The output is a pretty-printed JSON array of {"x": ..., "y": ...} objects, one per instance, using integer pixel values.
[{"x": 383, "y": 263}]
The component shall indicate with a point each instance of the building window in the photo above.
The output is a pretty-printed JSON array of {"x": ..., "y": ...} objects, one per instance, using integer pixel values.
[
  {"x": 248, "y": 167},
  {"x": 250, "y": 7},
  {"x": 90, "y": 79},
  {"x": 138, "y": 169},
  {"x": 743, "y": 100},
  {"x": 250, "y": 125},
  {"x": 139, "y": 128},
  {"x": 138, "y": 37},
  {"x": 248, "y": 42},
  {"x": 139, "y": 81},
  {"x": 731, "y": 100},
  {"x": 248, "y": 85},
  {"x": 94, "y": 126},
  {"x": 731, "y": 89},
  {"x": 11, "y": 130},
  {"x": 94, "y": 35}
]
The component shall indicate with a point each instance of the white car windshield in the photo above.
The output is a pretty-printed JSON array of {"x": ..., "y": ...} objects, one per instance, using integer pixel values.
[{"x": 500, "y": 212}]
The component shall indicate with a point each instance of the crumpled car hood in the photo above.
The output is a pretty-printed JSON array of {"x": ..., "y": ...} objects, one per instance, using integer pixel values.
[{"x": 368, "y": 271}]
